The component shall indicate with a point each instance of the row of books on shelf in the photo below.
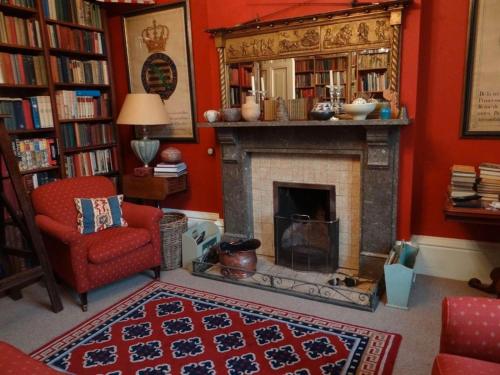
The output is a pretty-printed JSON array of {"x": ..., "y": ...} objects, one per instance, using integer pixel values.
[
  {"x": 334, "y": 63},
  {"x": 75, "y": 39},
  {"x": 22, "y": 69},
  {"x": 235, "y": 95},
  {"x": 305, "y": 93},
  {"x": 298, "y": 109},
  {"x": 91, "y": 163},
  {"x": 240, "y": 76},
  {"x": 170, "y": 169},
  {"x": 19, "y": 3},
  {"x": 81, "y": 12},
  {"x": 35, "y": 153},
  {"x": 304, "y": 65},
  {"x": 68, "y": 70},
  {"x": 467, "y": 189},
  {"x": 82, "y": 135},
  {"x": 34, "y": 180},
  {"x": 78, "y": 104},
  {"x": 324, "y": 78},
  {"x": 20, "y": 31},
  {"x": 303, "y": 80},
  {"x": 27, "y": 113},
  {"x": 373, "y": 61},
  {"x": 374, "y": 81},
  {"x": 324, "y": 92}
]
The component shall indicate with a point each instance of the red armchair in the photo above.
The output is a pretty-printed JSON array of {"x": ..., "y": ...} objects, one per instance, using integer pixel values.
[
  {"x": 87, "y": 261},
  {"x": 470, "y": 337}
]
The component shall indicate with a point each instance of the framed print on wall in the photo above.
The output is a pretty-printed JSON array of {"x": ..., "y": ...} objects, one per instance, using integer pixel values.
[
  {"x": 481, "y": 110},
  {"x": 159, "y": 60}
]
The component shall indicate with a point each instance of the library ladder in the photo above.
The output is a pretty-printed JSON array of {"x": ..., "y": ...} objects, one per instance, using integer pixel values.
[{"x": 24, "y": 219}]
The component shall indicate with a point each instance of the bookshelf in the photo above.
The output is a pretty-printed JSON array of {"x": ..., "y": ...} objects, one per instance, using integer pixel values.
[
  {"x": 312, "y": 75},
  {"x": 240, "y": 81},
  {"x": 55, "y": 82},
  {"x": 372, "y": 72},
  {"x": 361, "y": 73}
]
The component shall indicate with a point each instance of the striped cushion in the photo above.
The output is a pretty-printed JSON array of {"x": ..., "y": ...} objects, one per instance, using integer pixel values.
[{"x": 96, "y": 214}]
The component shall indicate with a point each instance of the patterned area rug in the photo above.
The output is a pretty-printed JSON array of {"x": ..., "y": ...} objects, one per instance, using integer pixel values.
[{"x": 168, "y": 329}]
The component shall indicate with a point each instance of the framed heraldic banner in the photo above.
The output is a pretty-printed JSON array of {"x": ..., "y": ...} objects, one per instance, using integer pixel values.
[
  {"x": 159, "y": 58},
  {"x": 481, "y": 116}
]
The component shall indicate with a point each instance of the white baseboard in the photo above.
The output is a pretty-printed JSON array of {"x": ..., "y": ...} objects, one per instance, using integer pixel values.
[
  {"x": 199, "y": 216},
  {"x": 457, "y": 259}
]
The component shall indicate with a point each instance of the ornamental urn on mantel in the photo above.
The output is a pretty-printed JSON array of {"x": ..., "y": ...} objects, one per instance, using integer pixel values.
[{"x": 250, "y": 110}]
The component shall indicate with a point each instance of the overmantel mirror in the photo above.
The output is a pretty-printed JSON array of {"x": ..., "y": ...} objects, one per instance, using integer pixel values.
[{"x": 356, "y": 49}]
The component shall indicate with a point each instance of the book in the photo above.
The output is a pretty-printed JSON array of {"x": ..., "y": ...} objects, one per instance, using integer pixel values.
[{"x": 170, "y": 174}]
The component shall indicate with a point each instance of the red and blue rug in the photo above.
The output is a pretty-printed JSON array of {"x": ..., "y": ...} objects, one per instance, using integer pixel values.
[{"x": 169, "y": 329}]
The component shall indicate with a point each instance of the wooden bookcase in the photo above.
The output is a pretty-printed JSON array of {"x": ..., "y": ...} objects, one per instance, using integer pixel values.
[
  {"x": 362, "y": 73},
  {"x": 312, "y": 75},
  {"x": 240, "y": 76},
  {"x": 75, "y": 61},
  {"x": 372, "y": 72}
]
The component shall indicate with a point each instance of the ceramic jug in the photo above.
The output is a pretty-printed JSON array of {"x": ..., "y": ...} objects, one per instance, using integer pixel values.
[{"x": 250, "y": 110}]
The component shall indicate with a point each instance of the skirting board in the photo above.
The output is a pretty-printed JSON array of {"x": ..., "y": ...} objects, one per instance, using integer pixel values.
[{"x": 457, "y": 259}]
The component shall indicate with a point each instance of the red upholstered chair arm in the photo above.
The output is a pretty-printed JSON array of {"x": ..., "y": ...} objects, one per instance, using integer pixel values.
[
  {"x": 139, "y": 216},
  {"x": 470, "y": 327},
  {"x": 63, "y": 233}
]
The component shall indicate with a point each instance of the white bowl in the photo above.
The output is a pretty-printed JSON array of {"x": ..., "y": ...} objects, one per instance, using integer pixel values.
[{"x": 359, "y": 111}]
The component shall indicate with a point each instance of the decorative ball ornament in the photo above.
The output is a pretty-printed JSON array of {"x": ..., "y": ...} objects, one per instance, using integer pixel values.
[{"x": 171, "y": 155}]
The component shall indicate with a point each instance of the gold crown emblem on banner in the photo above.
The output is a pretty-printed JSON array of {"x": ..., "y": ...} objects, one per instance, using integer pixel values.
[{"x": 155, "y": 37}]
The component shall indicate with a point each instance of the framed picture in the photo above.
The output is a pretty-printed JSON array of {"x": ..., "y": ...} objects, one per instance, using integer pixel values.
[
  {"x": 159, "y": 60},
  {"x": 481, "y": 113}
]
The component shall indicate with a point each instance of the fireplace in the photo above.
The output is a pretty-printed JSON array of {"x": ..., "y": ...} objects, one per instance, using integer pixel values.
[{"x": 306, "y": 230}]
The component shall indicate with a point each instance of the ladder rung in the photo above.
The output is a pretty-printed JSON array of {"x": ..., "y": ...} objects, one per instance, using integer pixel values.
[{"x": 21, "y": 278}]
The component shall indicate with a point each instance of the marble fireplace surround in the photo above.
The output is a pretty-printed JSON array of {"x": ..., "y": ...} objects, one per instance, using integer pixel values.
[{"x": 374, "y": 142}]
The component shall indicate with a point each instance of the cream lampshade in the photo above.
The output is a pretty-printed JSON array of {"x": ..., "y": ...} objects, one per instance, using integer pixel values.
[{"x": 144, "y": 110}]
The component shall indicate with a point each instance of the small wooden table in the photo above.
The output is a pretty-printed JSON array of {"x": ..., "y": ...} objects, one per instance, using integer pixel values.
[
  {"x": 153, "y": 188},
  {"x": 477, "y": 216}
]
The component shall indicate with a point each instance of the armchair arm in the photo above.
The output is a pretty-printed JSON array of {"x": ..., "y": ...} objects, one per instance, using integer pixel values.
[
  {"x": 139, "y": 216},
  {"x": 63, "y": 233},
  {"x": 470, "y": 327}
]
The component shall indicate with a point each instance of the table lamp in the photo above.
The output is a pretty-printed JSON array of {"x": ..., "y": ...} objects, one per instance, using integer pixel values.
[{"x": 144, "y": 110}]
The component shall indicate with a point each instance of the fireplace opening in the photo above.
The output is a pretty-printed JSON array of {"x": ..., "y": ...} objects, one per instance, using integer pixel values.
[{"x": 306, "y": 229}]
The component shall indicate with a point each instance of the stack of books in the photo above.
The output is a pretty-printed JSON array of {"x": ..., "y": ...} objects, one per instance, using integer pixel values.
[
  {"x": 461, "y": 189},
  {"x": 170, "y": 169},
  {"x": 463, "y": 178},
  {"x": 489, "y": 182}
]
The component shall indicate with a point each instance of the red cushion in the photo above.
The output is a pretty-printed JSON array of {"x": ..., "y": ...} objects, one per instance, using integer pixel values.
[
  {"x": 115, "y": 242},
  {"x": 457, "y": 365},
  {"x": 14, "y": 361}
]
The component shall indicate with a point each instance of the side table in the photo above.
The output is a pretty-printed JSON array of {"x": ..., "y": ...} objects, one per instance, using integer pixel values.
[
  {"x": 477, "y": 216},
  {"x": 153, "y": 188}
]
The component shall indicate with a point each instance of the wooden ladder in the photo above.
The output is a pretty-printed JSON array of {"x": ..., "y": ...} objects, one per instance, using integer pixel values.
[{"x": 24, "y": 219}]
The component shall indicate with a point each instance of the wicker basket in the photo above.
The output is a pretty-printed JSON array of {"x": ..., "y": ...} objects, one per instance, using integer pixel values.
[{"x": 172, "y": 225}]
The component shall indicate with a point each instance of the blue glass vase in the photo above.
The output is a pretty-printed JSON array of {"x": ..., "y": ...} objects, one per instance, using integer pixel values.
[{"x": 385, "y": 112}]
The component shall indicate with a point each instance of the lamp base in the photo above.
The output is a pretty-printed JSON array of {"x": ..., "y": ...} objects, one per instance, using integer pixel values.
[
  {"x": 145, "y": 149},
  {"x": 143, "y": 171}
]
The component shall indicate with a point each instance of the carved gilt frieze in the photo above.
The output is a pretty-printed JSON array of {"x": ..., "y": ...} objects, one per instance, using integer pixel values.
[{"x": 355, "y": 33}]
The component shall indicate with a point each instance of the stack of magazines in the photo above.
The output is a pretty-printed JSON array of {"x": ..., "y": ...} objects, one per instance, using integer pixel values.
[
  {"x": 170, "y": 169},
  {"x": 461, "y": 189}
]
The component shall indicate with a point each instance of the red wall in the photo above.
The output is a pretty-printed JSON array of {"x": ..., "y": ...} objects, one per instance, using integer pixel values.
[
  {"x": 433, "y": 48},
  {"x": 438, "y": 144}
]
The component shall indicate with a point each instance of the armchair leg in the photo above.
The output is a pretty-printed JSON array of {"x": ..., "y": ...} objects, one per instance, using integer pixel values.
[
  {"x": 156, "y": 270},
  {"x": 83, "y": 301}
]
